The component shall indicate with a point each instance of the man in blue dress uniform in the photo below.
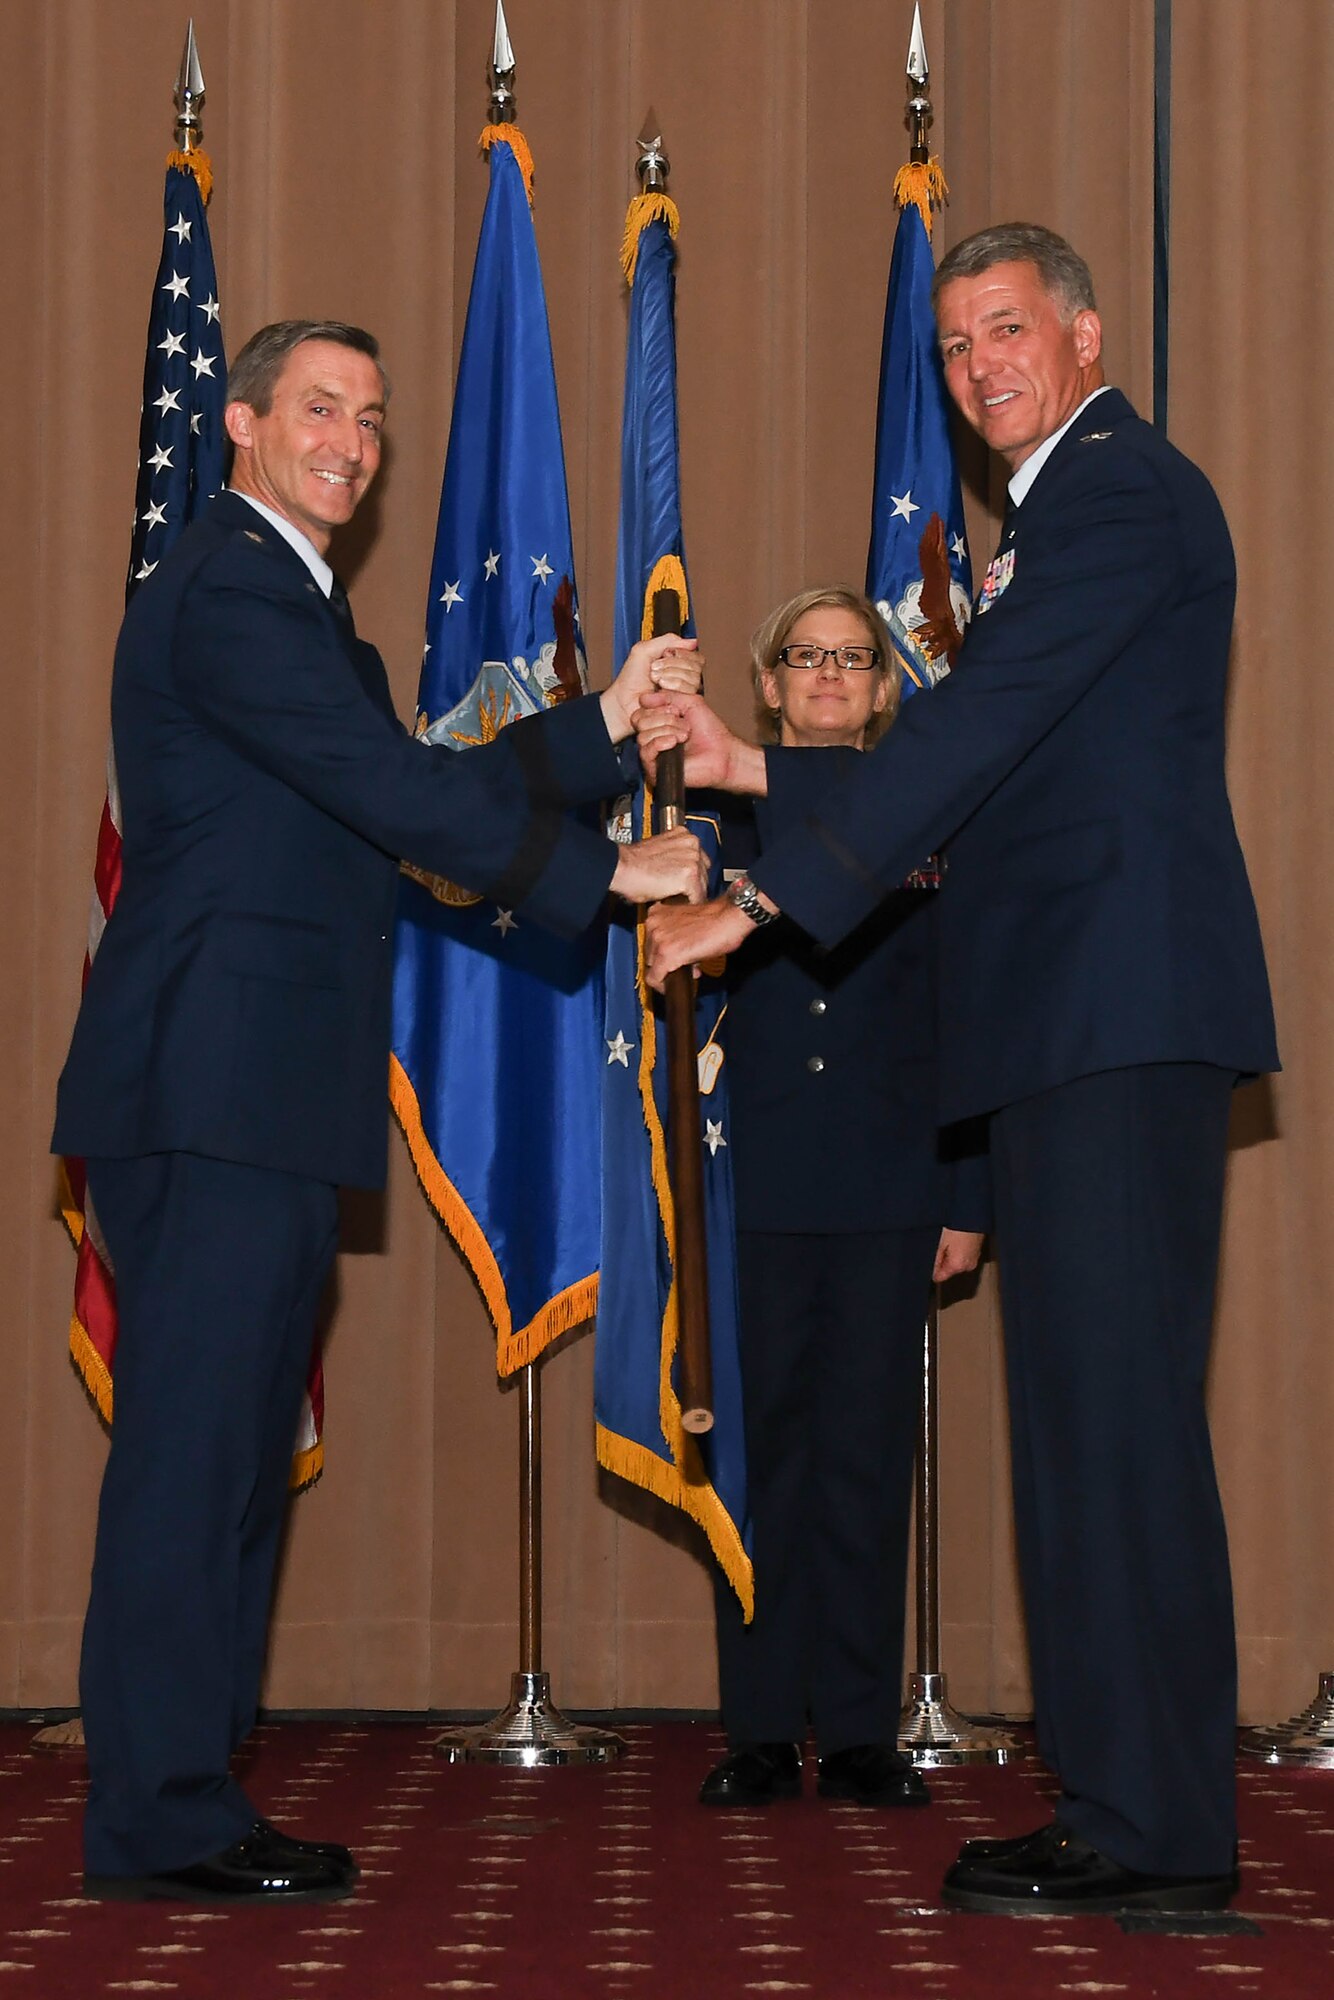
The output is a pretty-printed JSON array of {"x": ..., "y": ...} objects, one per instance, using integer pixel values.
[
  {"x": 1102, "y": 987},
  {"x": 229, "y": 1069}
]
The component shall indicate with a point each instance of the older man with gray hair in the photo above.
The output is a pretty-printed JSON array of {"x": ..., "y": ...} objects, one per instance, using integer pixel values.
[{"x": 1102, "y": 989}]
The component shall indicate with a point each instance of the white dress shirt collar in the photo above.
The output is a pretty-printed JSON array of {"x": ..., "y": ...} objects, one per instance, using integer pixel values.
[
  {"x": 1033, "y": 464},
  {"x": 303, "y": 545}
]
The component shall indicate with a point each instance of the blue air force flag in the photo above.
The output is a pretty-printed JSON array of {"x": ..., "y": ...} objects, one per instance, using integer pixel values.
[
  {"x": 639, "y": 1430},
  {"x": 917, "y": 578},
  {"x": 495, "y": 1073}
]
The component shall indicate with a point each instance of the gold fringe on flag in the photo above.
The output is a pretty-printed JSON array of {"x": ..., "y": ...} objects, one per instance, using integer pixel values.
[
  {"x": 683, "y": 1483},
  {"x": 921, "y": 185},
  {"x": 70, "y": 1211},
  {"x": 307, "y": 1466},
  {"x": 669, "y": 1408},
  {"x": 88, "y": 1363},
  {"x": 668, "y": 574},
  {"x": 95, "y": 1376},
  {"x": 687, "y": 1487},
  {"x": 511, "y": 136},
  {"x": 198, "y": 163},
  {"x": 643, "y": 209},
  {"x": 515, "y": 1347},
  {"x": 92, "y": 1369}
]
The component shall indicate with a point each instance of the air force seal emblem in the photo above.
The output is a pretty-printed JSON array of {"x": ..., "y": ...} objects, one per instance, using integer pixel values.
[{"x": 928, "y": 619}]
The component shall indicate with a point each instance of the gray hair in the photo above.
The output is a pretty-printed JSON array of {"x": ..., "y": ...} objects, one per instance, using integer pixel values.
[
  {"x": 1064, "y": 275},
  {"x": 253, "y": 375}
]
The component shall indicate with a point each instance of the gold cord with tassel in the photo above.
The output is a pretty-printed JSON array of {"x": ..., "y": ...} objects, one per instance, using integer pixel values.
[
  {"x": 511, "y": 136},
  {"x": 643, "y": 209},
  {"x": 198, "y": 163},
  {"x": 921, "y": 185}
]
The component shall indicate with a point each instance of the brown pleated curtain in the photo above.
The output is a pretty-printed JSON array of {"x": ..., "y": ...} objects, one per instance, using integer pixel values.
[{"x": 348, "y": 183}]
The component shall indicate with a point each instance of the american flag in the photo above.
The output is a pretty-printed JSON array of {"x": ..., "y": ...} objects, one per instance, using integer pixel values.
[
  {"x": 180, "y": 470},
  {"x": 185, "y": 378}
]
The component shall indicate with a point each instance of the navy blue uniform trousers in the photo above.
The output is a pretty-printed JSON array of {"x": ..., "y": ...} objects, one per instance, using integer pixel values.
[
  {"x": 831, "y": 1346},
  {"x": 1108, "y": 1194},
  {"x": 219, "y": 1269}
]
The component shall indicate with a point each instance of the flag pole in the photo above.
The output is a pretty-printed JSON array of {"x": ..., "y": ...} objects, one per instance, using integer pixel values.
[
  {"x": 694, "y": 1363},
  {"x": 529, "y": 1730},
  {"x": 188, "y": 96},
  {"x": 1307, "y": 1738},
  {"x": 931, "y": 1731}
]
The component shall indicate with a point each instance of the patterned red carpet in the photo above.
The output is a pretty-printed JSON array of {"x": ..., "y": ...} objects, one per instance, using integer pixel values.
[{"x": 612, "y": 1883}]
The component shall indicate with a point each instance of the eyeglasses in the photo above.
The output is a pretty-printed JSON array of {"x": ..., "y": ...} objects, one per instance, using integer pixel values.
[{"x": 854, "y": 659}]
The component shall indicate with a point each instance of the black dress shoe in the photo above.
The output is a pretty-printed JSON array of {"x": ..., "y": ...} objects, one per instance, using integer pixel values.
[
  {"x": 256, "y": 1869},
  {"x": 1012, "y": 1843},
  {"x": 331, "y": 1850},
  {"x": 988, "y": 1846},
  {"x": 755, "y": 1774},
  {"x": 1055, "y": 1873},
  {"x": 872, "y": 1774}
]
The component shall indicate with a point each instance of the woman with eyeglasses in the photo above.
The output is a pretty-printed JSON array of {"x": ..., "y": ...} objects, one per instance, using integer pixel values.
[{"x": 847, "y": 1204}]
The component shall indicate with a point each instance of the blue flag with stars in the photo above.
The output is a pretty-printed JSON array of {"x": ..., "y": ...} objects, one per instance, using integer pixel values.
[
  {"x": 185, "y": 384},
  {"x": 639, "y": 1431},
  {"x": 495, "y": 1073},
  {"x": 916, "y": 480}
]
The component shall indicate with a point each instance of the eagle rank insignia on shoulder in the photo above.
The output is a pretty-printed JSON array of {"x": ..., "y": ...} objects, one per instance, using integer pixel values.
[{"x": 1094, "y": 437}]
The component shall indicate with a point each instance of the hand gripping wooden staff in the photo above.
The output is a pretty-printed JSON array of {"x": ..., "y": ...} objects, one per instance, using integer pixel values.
[{"x": 686, "y": 1153}]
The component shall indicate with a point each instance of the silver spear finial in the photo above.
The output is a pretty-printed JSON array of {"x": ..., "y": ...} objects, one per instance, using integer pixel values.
[
  {"x": 919, "y": 116},
  {"x": 189, "y": 94},
  {"x": 502, "y": 71},
  {"x": 652, "y": 165}
]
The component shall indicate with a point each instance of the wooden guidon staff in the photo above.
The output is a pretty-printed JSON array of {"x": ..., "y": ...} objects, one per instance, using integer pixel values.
[{"x": 695, "y": 1369}]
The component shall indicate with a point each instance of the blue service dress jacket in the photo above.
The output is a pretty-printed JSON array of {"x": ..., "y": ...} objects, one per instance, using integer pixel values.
[
  {"x": 832, "y": 1054},
  {"x": 1096, "y": 913},
  {"x": 238, "y": 1005}
]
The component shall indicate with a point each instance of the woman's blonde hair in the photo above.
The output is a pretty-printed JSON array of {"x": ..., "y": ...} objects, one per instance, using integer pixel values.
[{"x": 769, "y": 641}]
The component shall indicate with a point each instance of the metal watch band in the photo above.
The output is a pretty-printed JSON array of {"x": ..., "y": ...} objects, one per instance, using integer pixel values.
[{"x": 746, "y": 898}]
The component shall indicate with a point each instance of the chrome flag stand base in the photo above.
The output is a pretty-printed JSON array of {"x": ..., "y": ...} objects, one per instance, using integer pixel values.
[
  {"x": 932, "y": 1733},
  {"x": 935, "y": 1735},
  {"x": 1307, "y": 1739},
  {"x": 530, "y": 1731}
]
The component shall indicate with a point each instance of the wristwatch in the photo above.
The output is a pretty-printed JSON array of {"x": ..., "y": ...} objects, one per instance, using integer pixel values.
[{"x": 744, "y": 896}]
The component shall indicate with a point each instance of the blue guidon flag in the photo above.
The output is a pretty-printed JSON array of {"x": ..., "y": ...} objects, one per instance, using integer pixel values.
[
  {"x": 639, "y": 1430},
  {"x": 917, "y": 570},
  {"x": 495, "y": 1073}
]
